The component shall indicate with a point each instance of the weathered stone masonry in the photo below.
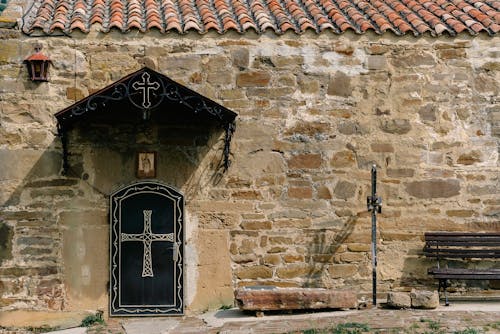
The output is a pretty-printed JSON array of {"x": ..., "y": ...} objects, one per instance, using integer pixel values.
[{"x": 315, "y": 112}]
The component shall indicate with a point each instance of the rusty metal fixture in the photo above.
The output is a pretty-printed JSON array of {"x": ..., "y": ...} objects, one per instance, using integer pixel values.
[
  {"x": 374, "y": 204},
  {"x": 38, "y": 65}
]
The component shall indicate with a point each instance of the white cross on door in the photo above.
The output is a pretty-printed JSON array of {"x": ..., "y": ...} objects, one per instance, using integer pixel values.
[{"x": 147, "y": 237}]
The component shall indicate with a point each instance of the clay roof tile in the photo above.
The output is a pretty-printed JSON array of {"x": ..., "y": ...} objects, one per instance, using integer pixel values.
[{"x": 398, "y": 16}]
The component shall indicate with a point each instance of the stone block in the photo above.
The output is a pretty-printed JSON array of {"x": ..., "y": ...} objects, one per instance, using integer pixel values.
[
  {"x": 434, "y": 188},
  {"x": 351, "y": 128},
  {"x": 276, "y": 249},
  {"x": 247, "y": 194},
  {"x": 413, "y": 59},
  {"x": 9, "y": 52},
  {"x": 273, "y": 259},
  {"x": 352, "y": 257},
  {"x": 376, "y": 62},
  {"x": 428, "y": 113},
  {"x": 340, "y": 85},
  {"x": 247, "y": 246},
  {"x": 300, "y": 192},
  {"x": 241, "y": 57},
  {"x": 10, "y": 138},
  {"x": 310, "y": 129},
  {"x": 287, "y": 80},
  {"x": 296, "y": 270},
  {"x": 382, "y": 147},
  {"x": 424, "y": 299},
  {"x": 220, "y": 78},
  {"x": 271, "y": 92},
  {"x": 396, "y": 126},
  {"x": 469, "y": 158},
  {"x": 492, "y": 211},
  {"x": 29, "y": 163},
  {"x": 377, "y": 49},
  {"x": 287, "y": 61},
  {"x": 11, "y": 86},
  {"x": 358, "y": 247},
  {"x": 51, "y": 192},
  {"x": 400, "y": 172},
  {"x": 254, "y": 272},
  {"x": 6, "y": 234},
  {"x": 280, "y": 240},
  {"x": 345, "y": 190},
  {"x": 305, "y": 161},
  {"x": 308, "y": 85},
  {"x": 266, "y": 299},
  {"x": 461, "y": 213},
  {"x": 483, "y": 190},
  {"x": 452, "y": 53},
  {"x": 256, "y": 225},
  {"x": 398, "y": 300},
  {"x": 212, "y": 220},
  {"x": 323, "y": 192},
  {"x": 187, "y": 62},
  {"x": 343, "y": 159},
  {"x": 10, "y": 34},
  {"x": 253, "y": 79},
  {"x": 342, "y": 270},
  {"x": 290, "y": 258},
  {"x": 491, "y": 66},
  {"x": 244, "y": 259},
  {"x": 323, "y": 258}
]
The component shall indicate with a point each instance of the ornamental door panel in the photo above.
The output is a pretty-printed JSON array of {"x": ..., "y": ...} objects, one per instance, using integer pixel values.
[{"x": 146, "y": 250}]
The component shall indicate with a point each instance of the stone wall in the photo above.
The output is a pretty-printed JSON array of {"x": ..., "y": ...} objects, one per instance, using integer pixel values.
[{"x": 315, "y": 113}]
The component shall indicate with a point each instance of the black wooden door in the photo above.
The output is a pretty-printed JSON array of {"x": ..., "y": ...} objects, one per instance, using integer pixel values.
[{"x": 146, "y": 246}]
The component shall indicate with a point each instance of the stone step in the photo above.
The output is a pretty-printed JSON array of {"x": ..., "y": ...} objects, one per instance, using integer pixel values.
[{"x": 274, "y": 298}]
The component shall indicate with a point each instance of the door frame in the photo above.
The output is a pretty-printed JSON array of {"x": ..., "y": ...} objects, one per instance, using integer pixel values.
[{"x": 114, "y": 221}]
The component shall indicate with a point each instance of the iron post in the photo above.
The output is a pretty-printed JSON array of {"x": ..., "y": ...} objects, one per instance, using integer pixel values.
[{"x": 374, "y": 204}]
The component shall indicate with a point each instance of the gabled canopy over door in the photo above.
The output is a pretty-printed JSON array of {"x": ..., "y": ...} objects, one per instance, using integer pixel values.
[{"x": 145, "y": 96}]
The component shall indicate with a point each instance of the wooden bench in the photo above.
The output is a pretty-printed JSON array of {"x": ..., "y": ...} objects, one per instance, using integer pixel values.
[{"x": 446, "y": 246}]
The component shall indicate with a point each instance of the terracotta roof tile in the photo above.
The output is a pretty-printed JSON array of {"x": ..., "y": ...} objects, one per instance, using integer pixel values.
[{"x": 399, "y": 16}]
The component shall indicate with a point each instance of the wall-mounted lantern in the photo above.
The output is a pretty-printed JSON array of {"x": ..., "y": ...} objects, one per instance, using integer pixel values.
[{"x": 38, "y": 65}]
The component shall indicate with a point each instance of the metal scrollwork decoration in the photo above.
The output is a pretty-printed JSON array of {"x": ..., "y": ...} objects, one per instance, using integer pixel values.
[{"x": 146, "y": 90}]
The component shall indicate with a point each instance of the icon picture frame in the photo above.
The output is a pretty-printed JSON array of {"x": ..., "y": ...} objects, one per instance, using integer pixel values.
[{"x": 146, "y": 163}]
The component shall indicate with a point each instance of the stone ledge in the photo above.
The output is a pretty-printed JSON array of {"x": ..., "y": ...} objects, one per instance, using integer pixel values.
[
  {"x": 52, "y": 319},
  {"x": 273, "y": 298}
]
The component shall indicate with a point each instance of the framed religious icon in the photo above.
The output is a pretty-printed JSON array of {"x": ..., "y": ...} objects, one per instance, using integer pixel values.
[{"x": 146, "y": 165}]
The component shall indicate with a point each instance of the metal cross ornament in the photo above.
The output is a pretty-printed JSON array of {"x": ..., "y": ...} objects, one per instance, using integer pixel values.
[
  {"x": 147, "y": 237},
  {"x": 146, "y": 86}
]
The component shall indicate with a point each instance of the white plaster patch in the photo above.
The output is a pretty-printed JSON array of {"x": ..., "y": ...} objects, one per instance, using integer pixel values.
[
  {"x": 480, "y": 55},
  {"x": 190, "y": 258}
]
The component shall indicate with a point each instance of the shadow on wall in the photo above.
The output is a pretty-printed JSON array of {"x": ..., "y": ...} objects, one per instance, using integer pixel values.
[
  {"x": 57, "y": 255},
  {"x": 325, "y": 254}
]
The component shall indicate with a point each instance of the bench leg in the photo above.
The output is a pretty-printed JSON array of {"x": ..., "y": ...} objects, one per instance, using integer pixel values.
[{"x": 443, "y": 283}]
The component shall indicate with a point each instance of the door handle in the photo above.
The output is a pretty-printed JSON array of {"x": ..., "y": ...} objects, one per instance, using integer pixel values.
[{"x": 175, "y": 253}]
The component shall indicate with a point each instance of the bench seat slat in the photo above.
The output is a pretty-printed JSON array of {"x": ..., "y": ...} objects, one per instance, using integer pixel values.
[
  {"x": 485, "y": 243},
  {"x": 444, "y": 241},
  {"x": 452, "y": 250},
  {"x": 466, "y": 276},
  {"x": 491, "y": 271},
  {"x": 461, "y": 254},
  {"x": 464, "y": 234},
  {"x": 460, "y": 273}
]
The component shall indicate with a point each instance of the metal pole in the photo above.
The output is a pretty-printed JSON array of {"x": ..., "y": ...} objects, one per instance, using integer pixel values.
[{"x": 374, "y": 204}]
